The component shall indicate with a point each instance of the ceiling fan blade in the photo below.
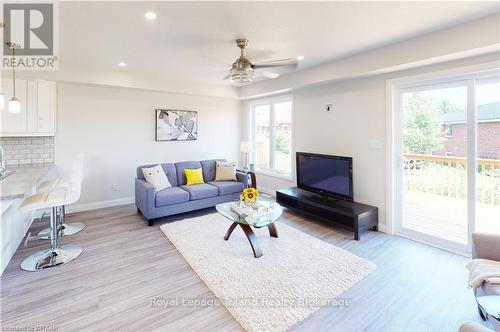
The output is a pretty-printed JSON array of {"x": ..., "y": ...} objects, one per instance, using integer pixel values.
[
  {"x": 268, "y": 74},
  {"x": 279, "y": 61},
  {"x": 273, "y": 66},
  {"x": 290, "y": 62}
]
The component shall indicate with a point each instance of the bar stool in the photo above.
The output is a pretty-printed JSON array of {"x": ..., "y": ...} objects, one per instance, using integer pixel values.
[
  {"x": 63, "y": 183},
  {"x": 57, "y": 254}
]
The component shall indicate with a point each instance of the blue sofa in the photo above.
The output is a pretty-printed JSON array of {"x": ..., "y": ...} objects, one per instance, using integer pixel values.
[{"x": 182, "y": 198}]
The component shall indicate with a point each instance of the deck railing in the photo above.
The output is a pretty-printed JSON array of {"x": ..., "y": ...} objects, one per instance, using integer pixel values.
[
  {"x": 262, "y": 154},
  {"x": 447, "y": 176}
]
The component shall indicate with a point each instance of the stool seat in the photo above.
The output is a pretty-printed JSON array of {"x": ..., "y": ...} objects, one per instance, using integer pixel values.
[
  {"x": 51, "y": 185},
  {"x": 43, "y": 200}
]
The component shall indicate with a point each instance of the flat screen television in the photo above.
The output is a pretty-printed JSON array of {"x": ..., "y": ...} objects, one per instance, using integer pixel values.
[{"x": 326, "y": 175}]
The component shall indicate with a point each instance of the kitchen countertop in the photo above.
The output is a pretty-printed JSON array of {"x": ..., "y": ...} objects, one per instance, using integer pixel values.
[{"x": 21, "y": 182}]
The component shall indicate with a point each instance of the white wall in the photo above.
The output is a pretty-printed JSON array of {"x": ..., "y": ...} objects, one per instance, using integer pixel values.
[
  {"x": 358, "y": 121},
  {"x": 115, "y": 128}
]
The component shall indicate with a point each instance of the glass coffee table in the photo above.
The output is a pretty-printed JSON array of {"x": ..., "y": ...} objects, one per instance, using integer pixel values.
[{"x": 255, "y": 219}]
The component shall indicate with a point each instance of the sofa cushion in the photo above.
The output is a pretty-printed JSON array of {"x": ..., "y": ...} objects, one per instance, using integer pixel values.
[
  {"x": 228, "y": 187},
  {"x": 156, "y": 177},
  {"x": 209, "y": 169},
  {"x": 169, "y": 196},
  {"x": 199, "y": 191},
  {"x": 225, "y": 171},
  {"x": 180, "y": 166},
  {"x": 193, "y": 176},
  {"x": 168, "y": 168}
]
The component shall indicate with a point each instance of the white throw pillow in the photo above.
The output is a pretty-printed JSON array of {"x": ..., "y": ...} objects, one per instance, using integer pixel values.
[
  {"x": 156, "y": 177},
  {"x": 225, "y": 171}
]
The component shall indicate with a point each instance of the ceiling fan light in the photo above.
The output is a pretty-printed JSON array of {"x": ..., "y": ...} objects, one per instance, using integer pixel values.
[
  {"x": 14, "y": 106},
  {"x": 240, "y": 75}
]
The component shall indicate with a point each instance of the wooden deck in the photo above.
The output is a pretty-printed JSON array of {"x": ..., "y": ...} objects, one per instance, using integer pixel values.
[{"x": 446, "y": 217}]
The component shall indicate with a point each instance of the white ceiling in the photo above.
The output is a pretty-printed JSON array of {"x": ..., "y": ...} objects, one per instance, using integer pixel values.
[{"x": 195, "y": 40}]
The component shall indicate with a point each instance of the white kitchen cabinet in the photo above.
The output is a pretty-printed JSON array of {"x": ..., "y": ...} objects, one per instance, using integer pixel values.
[
  {"x": 13, "y": 228},
  {"x": 46, "y": 106},
  {"x": 38, "y": 108}
]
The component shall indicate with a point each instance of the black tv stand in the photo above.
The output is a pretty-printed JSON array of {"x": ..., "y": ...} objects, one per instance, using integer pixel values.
[
  {"x": 329, "y": 199},
  {"x": 356, "y": 217}
]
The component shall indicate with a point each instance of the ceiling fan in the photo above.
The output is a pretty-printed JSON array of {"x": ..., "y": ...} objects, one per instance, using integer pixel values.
[{"x": 243, "y": 71}]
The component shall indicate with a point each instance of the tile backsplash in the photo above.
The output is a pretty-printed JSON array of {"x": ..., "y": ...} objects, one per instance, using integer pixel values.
[{"x": 28, "y": 150}]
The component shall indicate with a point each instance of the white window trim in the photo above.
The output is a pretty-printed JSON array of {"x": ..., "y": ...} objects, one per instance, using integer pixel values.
[
  {"x": 270, "y": 101},
  {"x": 393, "y": 137}
]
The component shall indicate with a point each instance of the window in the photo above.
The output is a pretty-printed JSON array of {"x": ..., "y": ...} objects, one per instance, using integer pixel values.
[
  {"x": 448, "y": 130},
  {"x": 272, "y": 134}
]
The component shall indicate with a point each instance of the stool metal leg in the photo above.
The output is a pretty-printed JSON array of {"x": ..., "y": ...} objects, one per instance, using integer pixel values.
[
  {"x": 56, "y": 255},
  {"x": 42, "y": 235},
  {"x": 53, "y": 228},
  {"x": 69, "y": 229},
  {"x": 65, "y": 229}
]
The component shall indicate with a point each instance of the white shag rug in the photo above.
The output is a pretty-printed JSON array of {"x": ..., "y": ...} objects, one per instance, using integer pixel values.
[{"x": 296, "y": 275}]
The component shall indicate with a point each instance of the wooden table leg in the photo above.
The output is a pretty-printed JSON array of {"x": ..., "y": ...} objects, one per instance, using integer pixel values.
[
  {"x": 230, "y": 230},
  {"x": 257, "y": 252},
  {"x": 273, "y": 232},
  {"x": 254, "y": 180}
]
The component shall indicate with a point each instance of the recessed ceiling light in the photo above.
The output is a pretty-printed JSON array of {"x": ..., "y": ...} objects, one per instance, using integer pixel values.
[
  {"x": 150, "y": 15},
  {"x": 122, "y": 64},
  {"x": 300, "y": 57}
]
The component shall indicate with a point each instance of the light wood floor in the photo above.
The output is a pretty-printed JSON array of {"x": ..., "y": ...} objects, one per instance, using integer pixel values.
[{"x": 126, "y": 263}]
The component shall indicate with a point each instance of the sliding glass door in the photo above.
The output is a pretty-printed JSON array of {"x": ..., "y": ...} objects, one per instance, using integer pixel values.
[{"x": 449, "y": 147}]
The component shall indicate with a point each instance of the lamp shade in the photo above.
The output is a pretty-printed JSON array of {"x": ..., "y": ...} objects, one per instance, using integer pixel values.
[
  {"x": 14, "y": 106},
  {"x": 245, "y": 146}
]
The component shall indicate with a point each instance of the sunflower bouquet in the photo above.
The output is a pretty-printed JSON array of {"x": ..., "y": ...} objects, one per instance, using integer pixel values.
[{"x": 250, "y": 195}]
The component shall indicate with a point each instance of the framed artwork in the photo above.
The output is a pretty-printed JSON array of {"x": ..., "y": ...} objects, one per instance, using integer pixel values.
[{"x": 176, "y": 125}]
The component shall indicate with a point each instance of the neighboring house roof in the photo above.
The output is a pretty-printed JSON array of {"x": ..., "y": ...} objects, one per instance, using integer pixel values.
[{"x": 487, "y": 112}]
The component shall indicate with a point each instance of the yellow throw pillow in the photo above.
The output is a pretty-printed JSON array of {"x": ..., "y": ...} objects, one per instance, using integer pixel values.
[{"x": 194, "y": 176}]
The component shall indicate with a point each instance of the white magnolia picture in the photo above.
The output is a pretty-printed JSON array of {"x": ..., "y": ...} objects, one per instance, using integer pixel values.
[{"x": 174, "y": 125}]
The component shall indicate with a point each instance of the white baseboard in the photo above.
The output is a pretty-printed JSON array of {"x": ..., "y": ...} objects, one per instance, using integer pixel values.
[
  {"x": 381, "y": 228},
  {"x": 100, "y": 205}
]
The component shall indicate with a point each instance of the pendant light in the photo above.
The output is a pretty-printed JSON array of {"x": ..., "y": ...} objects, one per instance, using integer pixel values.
[{"x": 14, "y": 103}]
